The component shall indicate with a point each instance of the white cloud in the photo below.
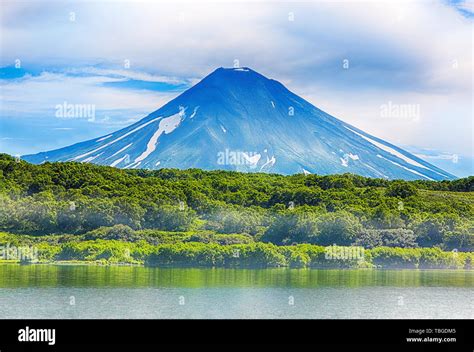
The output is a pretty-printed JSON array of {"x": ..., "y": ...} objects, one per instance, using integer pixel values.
[
  {"x": 407, "y": 52},
  {"x": 42, "y": 93},
  {"x": 125, "y": 74}
]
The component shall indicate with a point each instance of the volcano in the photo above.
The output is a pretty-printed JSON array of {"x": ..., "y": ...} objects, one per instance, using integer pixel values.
[{"x": 237, "y": 119}]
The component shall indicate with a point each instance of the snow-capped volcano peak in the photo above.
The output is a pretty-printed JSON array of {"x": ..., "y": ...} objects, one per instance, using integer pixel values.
[{"x": 237, "y": 119}]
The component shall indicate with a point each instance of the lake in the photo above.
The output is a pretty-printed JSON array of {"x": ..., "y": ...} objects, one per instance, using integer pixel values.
[{"x": 85, "y": 291}]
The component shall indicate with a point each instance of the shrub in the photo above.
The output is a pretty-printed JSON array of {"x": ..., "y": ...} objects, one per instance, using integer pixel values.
[
  {"x": 402, "y": 189},
  {"x": 403, "y": 238},
  {"x": 242, "y": 220},
  {"x": 223, "y": 239},
  {"x": 435, "y": 258},
  {"x": 339, "y": 228},
  {"x": 170, "y": 218},
  {"x": 387, "y": 257},
  {"x": 200, "y": 254},
  {"x": 117, "y": 232},
  {"x": 47, "y": 252},
  {"x": 299, "y": 260},
  {"x": 431, "y": 231}
]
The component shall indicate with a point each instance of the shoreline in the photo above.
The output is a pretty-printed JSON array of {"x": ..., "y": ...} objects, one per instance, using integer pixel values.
[
  {"x": 142, "y": 265},
  {"x": 107, "y": 252}
]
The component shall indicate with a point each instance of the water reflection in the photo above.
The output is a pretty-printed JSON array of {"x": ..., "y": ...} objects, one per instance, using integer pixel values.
[{"x": 12, "y": 275}]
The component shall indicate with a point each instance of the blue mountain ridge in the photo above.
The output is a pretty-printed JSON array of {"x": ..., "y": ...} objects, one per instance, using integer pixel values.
[{"x": 237, "y": 119}]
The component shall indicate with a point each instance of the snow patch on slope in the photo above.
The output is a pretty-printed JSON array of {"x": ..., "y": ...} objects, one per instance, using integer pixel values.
[
  {"x": 166, "y": 125},
  {"x": 119, "y": 151},
  {"x": 133, "y": 165},
  {"x": 390, "y": 150},
  {"x": 252, "y": 160},
  {"x": 353, "y": 156},
  {"x": 117, "y": 139},
  {"x": 88, "y": 160},
  {"x": 375, "y": 170},
  {"x": 104, "y": 138},
  {"x": 346, "y": 157},
  {"x": 194, "y": 112},
  {"x": 270, "y": 162},
  {"x": 118, "y": 161},
  {"x": 406, "y": 168}
]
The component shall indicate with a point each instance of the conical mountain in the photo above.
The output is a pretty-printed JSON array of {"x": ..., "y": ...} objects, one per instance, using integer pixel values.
[{"x": 237, "y": 119}]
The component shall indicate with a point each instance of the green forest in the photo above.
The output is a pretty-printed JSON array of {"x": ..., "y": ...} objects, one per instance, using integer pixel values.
[{"x": 86, "y": 212}]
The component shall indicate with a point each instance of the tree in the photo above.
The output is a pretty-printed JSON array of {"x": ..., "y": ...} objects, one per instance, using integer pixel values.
[
  {"x": 170, "y": 218},
  {"x": 403, "y": 238},
  {"x": 431, "y": 232},
  {"x": 401, "y": 189},
  {"x": 238, "y": 220},
  {"x": 340, "y": 228}
]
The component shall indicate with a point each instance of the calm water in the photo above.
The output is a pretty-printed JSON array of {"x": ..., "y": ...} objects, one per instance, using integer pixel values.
[{"x": 48, "y": 291}]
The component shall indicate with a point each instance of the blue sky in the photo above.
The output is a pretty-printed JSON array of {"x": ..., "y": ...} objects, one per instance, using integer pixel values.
[{"x": 350, "y": 58}]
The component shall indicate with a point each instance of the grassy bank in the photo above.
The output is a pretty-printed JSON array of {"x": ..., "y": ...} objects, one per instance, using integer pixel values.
[{"x": 249, "y": 255}]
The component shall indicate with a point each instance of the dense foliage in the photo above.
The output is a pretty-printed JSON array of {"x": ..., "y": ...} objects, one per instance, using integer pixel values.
[
  {"x": 252, "y": 255},
  {"x": 84, "y": 202}
]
